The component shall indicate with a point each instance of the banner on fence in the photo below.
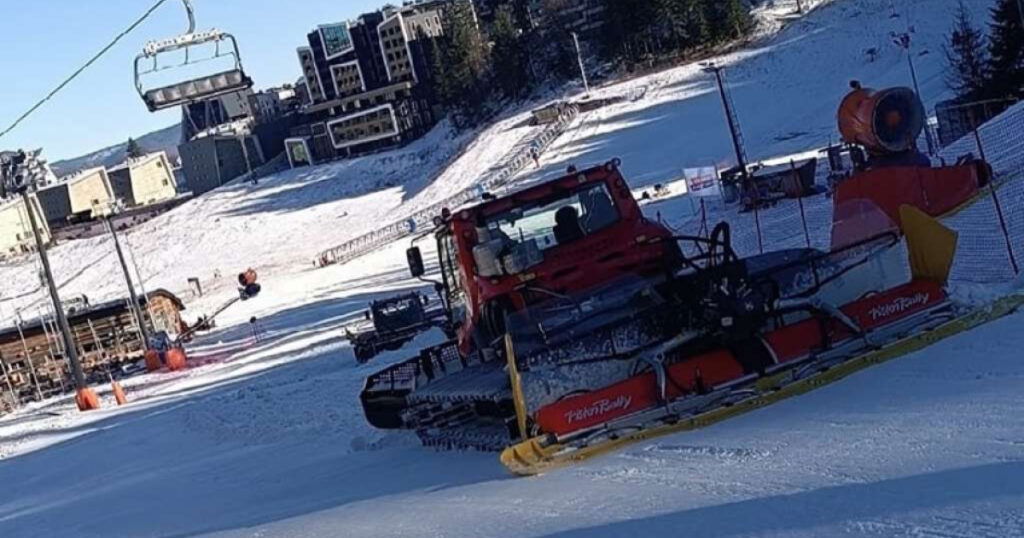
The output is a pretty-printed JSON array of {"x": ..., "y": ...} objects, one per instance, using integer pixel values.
[{"x": 701, "y": 181}]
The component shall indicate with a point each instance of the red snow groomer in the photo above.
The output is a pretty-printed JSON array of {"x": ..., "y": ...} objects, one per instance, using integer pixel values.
[{"x": 582, "y": 325}]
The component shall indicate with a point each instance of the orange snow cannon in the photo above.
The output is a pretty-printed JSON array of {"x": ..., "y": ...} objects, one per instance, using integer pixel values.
[
  {"x": 882, "y": 121},
  {"x": 248, "y": 288}
]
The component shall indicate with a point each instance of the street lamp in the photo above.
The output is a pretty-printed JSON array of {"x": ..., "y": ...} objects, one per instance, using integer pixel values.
[
  {"x": 18, "y": 175},
  {"x": 903, "y": 40},
  {"x": 730, "y": 115},
  {"x": 107, "y": 214},
  {"x": 741, "y": 157},
  {"x": 579, "y": 59}
]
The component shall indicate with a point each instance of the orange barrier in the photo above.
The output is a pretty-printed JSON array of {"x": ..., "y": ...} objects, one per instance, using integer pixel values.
[
  {"x": 176, "y": 359},
  {"x": 87, "y": 399},
  {"x": 119, "y": 396}
]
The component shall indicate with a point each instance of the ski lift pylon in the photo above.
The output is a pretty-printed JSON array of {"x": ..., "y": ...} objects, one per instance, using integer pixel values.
[{"x": 197, "y": 89}]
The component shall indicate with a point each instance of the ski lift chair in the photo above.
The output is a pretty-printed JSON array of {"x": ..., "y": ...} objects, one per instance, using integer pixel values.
[{"x": 194, "y": 90}]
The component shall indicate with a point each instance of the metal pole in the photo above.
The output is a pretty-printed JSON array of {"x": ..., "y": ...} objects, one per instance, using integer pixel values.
[
  {"x": 800, "y": 199},
  {"x": 28, "y": 360},
  {"x": 10, "y": 386},
  {"x": 62, "y": 320},
  {"x": 134, "y": 307},
  {"x": 995, "y": 201},
  {"x": 142, "y": 282},
  {"x": 579, "y": 59},
  {"x": 741, "y": 160},
  {"x": 917, "y": 88},
  {"x": 49, "y": 350}
]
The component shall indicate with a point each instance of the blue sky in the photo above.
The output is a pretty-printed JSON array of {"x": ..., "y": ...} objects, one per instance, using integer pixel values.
[{"x": 45, "y": 40}]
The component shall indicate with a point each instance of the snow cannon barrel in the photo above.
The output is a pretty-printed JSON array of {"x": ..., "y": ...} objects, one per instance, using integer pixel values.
[{"x": 884, "y": 122}]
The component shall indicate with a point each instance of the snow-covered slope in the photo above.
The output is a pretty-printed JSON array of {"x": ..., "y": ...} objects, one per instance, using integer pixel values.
[{"x": 267, "y": 439}]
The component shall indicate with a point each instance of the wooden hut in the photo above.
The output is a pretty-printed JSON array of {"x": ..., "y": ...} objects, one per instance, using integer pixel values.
[{"x": 32, "y": 360}]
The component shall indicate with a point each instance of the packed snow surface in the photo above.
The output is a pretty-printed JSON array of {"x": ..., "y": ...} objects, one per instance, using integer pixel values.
[{"x": 266, "y": 438}]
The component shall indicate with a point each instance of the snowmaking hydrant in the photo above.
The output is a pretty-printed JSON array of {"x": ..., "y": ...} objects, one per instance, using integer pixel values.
[{"x": 173, "y": 353}]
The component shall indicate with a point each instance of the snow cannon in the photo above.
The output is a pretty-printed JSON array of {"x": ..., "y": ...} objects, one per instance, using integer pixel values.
[
  {"x": 893, "y": 173},
  {"x": 247, "y": 286},
  {"x": 884, "y": 122}
]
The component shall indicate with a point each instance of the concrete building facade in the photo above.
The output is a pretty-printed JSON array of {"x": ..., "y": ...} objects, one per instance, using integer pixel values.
[
  {"x": 144, "y": 181},
  {"x": 15, "y": 228},
  {"x": 88, "y": 191},
  {"x": 368, "y": 81}
]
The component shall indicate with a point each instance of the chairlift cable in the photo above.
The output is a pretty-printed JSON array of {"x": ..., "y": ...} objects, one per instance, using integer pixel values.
[{"x": 87, "y": 64}]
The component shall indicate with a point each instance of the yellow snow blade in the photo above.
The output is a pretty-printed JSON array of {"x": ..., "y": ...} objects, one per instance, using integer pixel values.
[
  {"x": 534, "y": 456},
  {"x": 932, "y": 245}
]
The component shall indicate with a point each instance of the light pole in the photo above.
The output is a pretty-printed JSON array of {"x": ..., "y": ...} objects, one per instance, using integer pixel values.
[
  {"x": 730, "y": 116},
  {"x": 135, "y": 309},
  {"x": 741, "y": 158},
  {"x": 20, "y": 173},
  {"x": 904, "y": 41},
  {"x": 579, "y": 59}
]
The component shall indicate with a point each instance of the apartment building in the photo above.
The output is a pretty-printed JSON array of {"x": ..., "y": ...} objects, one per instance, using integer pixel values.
[{"x": 368, "y": 83}]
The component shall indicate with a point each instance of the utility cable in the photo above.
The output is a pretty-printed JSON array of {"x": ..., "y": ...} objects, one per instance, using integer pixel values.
[{"x": 87, "y": 64}]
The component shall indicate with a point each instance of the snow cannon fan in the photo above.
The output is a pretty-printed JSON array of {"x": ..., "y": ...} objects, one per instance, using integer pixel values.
[
  {"x": 248, "y": 288},
  {"x": 884, "y": 122}
]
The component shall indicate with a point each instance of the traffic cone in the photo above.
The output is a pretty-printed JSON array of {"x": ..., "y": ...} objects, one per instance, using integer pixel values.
[
  {"x": 153, "y": 362},
  {"x": 87, "y": 399},
  {"x": 176, "y": 359},
  {"x": 119, "y": 396}
]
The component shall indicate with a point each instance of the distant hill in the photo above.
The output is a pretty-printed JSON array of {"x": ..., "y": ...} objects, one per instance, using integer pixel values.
[{"x": 166, "y": 139}]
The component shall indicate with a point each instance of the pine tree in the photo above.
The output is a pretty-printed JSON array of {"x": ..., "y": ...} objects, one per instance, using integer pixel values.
[
  {"x": 509, "y": 57},
  {"x": 686, "y": 25},
  {"x": 727, "y": 19},
  {"x": 439, "y": 66},
  {"x": 466, "y": 58},
  {"x": 965, "y": 52},
  {"x": 631, "y": 29},
  {"x": 1006, "y": 51},
  {"x": 134, "y": 150}
]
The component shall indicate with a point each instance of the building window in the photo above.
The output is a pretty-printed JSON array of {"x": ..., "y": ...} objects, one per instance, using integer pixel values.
[{"x": 337, "y": 39}]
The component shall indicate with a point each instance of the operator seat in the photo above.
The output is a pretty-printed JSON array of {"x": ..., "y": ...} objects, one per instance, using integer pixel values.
[
  {"x": 567, "y": 225},
  {"x": 598, "y": 211}
]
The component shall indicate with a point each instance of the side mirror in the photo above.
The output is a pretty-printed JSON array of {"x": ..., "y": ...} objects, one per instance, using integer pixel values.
[{"x": 415, "y": 258}]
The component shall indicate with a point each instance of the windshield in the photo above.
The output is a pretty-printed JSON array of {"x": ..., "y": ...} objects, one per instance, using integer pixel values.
[{"x": 557, "y": 222}]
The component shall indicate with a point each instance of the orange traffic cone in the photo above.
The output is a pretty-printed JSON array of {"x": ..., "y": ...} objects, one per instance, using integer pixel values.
[
  {"x": 176, "y": 359},
  {"x": 153, "y": 363},
  {"x": 119, "y": 396},
  {"x": 86, "y": 399}
]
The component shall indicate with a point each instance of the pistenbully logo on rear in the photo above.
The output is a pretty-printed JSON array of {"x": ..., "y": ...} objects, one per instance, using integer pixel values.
[
  {"x": 598, "y": 409},
  {"x": 899, "y": 306}
]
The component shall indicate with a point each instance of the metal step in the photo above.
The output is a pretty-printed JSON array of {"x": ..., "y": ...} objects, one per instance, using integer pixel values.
[{"x": 482, "y": 382}]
